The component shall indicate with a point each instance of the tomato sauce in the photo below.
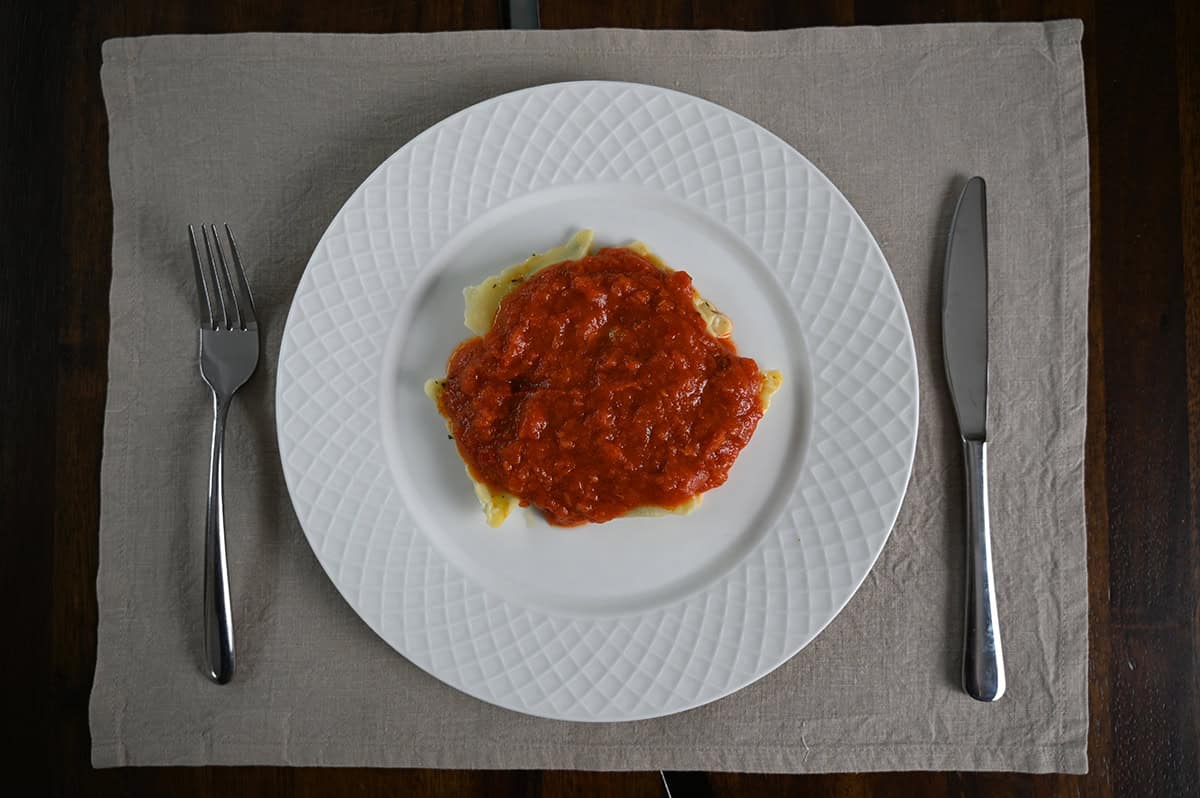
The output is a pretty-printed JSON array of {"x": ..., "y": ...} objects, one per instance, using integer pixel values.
[{"x": 598, "y": 390}]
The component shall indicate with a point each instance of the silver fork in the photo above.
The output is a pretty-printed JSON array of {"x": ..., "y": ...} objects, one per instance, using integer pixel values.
[{"x": 228, "y": 356}]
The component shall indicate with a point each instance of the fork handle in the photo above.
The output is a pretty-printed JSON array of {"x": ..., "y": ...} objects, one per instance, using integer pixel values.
[
  {"x": 983, "y": 656},
  {"x": 218, "y": 614}
]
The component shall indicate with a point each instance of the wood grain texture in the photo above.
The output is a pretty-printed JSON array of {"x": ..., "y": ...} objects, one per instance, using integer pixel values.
[{"x": 1143, "y": 446}]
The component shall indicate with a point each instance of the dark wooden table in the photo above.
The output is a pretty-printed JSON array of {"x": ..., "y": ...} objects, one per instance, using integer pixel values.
[{"x": 1143, "y": 448}]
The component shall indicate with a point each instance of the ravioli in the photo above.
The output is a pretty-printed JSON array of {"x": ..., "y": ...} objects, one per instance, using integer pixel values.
[{"x": 483, "y": 301}]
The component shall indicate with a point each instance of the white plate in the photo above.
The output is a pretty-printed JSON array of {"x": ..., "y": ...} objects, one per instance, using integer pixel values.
[{"x": 638, "y": 617}]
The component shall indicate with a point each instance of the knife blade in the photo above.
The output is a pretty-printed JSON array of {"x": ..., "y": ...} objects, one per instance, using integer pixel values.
[
  {"x": 964, "y": 310},
  {"x": 964, "y": 344}
]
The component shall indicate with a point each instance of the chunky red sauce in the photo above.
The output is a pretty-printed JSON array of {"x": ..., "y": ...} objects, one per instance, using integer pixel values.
[{"x": 598, "y": 390}]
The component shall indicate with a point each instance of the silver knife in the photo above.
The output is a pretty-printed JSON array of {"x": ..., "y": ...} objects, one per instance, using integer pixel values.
[{"x": 965, "y": 340}]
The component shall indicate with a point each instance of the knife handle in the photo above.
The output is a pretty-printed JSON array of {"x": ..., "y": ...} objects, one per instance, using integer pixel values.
[{"x": 983, "y": 657}]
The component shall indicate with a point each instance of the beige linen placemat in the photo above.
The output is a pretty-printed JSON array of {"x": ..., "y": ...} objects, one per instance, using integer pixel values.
[{"x": 273, "y": 132}]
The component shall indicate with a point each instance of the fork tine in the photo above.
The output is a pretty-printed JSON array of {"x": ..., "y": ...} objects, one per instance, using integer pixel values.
[
  {"x": 227, "y": 284},
  {"x": 216, "y": 280},
  {"x": 206, "y": 311},
  {"x": 244, "y": 297}
]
